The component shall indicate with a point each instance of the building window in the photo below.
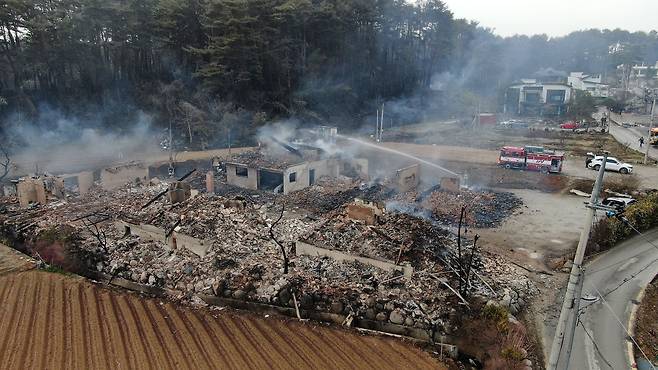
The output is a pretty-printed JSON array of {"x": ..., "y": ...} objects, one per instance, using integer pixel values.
[
  {"x": 292, "y": 177},
  {"x": 241, "y": 171},
  {"x": 556, "y": 96}
]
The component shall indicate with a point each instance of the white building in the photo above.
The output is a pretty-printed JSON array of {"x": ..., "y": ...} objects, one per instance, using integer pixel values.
[
  {"x": 590, "y": 83},
  {"x": 531, "y": 97}
]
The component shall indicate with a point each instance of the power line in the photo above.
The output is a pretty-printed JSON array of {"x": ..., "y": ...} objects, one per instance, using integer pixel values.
[
  {"x": 594, "y": 342},
  {"x": 607, "y": 305},
  {"x": 626, "y": 280}
]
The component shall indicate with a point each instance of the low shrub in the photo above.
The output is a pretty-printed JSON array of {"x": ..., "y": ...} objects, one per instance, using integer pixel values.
[
  {"x": 608, "y": 232},
  {"x": 496, "y": 314}
]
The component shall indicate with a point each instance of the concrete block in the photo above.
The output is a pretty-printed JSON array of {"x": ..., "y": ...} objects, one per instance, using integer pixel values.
[{"x": 210, "y": 182}]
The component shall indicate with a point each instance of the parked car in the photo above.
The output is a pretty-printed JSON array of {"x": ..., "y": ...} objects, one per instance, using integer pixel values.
[
  {"x": 618, "y": 203},
  {"x": 612, "y": 164},
  {"x": 514, "y": 124},
  {"x": 569, "y": 126}
]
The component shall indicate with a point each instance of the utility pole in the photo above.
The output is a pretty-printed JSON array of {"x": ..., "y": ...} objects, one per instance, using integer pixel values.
[
  {"x": 571, "y": 302},
  {"x": 646, "y": 153},
  {"x": 381, "y": 129},
  {"x": 228, "y": 134},
  {"x": 377, "y": 128}
]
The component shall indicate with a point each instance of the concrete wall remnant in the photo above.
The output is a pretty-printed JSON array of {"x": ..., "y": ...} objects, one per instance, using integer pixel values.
[
  {"x": 235, "y": 176},
  {"x": 27, "y": 192},
  {"x": 368, "y": 212},
  {"x": 179, "y": 192},
  {"x": 210, "y": 182},
  {"x": 408, "y": 178},
  {"x": 38, "y": 190},
  {"x": 450, "y": 184},
  {"x": 85, "y": 182},
  {"x": 302, "y": 248},
  {"x": 176, "y": 240},
  {"x": 302, "y": 174},
  {"x": 295, "y": 177}
]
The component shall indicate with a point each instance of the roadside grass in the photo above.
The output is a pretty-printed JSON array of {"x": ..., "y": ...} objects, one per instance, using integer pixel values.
[
  {"x": 626, "y": 185},
  {"x": 646, "y": 326},
  {"x": 55, "y": 270}
]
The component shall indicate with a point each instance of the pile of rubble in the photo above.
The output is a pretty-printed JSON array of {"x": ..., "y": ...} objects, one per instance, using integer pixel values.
[
  {"x": 265, "y": 159},
  {"x": 483, "y": 208},
  {"x": 326, "y": 195},
  {"x": 331, "y": 194},
  {"x": 396, "y": 237},
  {"x": 244, "y": 262}
]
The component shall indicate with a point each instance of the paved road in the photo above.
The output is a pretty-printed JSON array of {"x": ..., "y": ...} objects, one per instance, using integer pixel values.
[
  {"x": 631, "y": 136},
  {"x": 602, "y": 318}
]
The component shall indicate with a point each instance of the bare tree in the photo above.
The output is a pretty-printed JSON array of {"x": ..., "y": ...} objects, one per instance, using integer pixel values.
[
  {"x": 98, "y": 233},
  {"x": 464, "y": 260},
  {"x": 283, "y": 249},
  {"x": 460, "y": 264},
  {"x": 5, "y": 162},
  {"x": 470, "y": 264}
]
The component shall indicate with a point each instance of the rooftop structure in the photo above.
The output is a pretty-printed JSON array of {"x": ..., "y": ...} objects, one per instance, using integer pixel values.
[{"x": 590, "y": 83}]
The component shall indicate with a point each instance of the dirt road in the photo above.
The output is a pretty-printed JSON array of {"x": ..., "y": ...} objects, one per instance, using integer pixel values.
[
  {"x": 547, "y": 225},
  {"x": 53, "y": 321}
]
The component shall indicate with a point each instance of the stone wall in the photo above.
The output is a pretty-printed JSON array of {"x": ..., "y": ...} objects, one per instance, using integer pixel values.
[{"x": 307, "y": 304}]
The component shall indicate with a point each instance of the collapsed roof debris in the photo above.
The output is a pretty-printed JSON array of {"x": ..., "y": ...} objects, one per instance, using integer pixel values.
[{"x": 243, "y": 262}]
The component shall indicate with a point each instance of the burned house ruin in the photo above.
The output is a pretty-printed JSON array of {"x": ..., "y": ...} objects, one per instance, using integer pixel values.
[{"x": 285, "y": 173}]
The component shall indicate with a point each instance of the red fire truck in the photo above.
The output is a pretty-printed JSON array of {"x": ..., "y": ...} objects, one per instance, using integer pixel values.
[{"x": 533, "y": 158}]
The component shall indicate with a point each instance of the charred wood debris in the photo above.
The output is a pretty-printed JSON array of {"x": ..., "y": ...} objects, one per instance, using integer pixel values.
[{"x": 246, "y": 231}]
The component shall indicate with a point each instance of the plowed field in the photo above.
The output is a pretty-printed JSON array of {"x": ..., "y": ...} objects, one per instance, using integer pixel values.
[{"x": 53, "y": 321}]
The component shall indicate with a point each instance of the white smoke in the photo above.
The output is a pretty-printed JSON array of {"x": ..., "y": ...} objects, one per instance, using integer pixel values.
[{"x": 58, "y": 144}]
